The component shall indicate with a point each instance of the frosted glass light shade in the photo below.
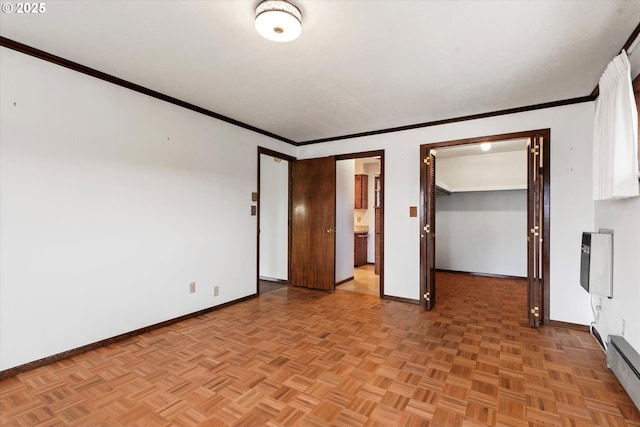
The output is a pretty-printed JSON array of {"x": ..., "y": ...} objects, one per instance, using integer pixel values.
[
  {"x": 278, "y": 20},
  {"x": 485, "y": 146}
]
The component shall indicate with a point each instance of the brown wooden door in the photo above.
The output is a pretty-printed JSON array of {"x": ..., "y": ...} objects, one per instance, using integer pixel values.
[
  {"x": 428, "y": 231},
  {"x": 313, "y": 221},
  {"x": 534, "y": 225}
]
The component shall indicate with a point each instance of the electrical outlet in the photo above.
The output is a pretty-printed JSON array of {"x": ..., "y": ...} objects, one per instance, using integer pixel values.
[
  {"x": 216, "y": 291},
  {"x": 623, "y": 326},
  {"x": 192, "y": 287}
]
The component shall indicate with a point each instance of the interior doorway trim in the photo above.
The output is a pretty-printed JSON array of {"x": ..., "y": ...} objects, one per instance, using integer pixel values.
[
  {"x": 376, "y": 153},
  {"x": 289, "y": 159},
  {"x": 545, "y": 203}
]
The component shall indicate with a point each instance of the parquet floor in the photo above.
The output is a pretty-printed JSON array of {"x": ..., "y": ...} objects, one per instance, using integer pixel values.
[
  {"x": 298, "y": 357},
  {"x": 266, "y": 286},
  {"x": 365, "y": 281}
]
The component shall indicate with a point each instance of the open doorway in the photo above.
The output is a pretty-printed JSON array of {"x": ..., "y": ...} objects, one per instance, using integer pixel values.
[
  {"x": 533, "y": 236},
  {"x": 313, "y": 233},
  {"x": 481, "y": 191},
  {"x": 359, "y": 223},
  {"x": 273, "y": 212}
]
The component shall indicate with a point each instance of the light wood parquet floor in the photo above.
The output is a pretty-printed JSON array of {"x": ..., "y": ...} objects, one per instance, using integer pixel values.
[
  {"x": 365, "y": 281},
  {"x": 298, "y": 357}
]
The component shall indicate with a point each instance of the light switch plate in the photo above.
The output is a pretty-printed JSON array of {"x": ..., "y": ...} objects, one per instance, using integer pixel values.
[{"x": 413, "y": 211}]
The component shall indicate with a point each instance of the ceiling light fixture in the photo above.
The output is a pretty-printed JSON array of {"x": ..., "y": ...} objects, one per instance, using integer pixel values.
[
  {"x": 278, "y": 20},
  {"x": 485, "y": 146}
]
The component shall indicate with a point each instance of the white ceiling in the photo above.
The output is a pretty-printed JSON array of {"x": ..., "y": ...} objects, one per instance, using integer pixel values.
[
  {"x": 475, "y": 150},
  {"x": 359, "y": 65}
]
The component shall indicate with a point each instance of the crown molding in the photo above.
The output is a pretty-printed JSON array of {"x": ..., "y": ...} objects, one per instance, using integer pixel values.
[
  {"x": 455, "y": 119},
  {"x": 40, "y": 54},
  {"x": 46, "y": 56}
]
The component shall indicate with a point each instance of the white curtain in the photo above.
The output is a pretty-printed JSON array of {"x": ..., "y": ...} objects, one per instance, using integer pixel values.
[{"x": 615, "y": 134}]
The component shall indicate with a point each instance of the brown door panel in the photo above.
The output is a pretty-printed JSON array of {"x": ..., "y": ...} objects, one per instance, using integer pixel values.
[
  {"x": 313, "y": 223},
  {"x": 535, "y": 194},
  {"x": 427, "y": 228}
]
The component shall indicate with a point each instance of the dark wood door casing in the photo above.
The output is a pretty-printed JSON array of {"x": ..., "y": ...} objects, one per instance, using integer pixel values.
[
  {"x": 536, "y": 206},
  {"x": 430, "y": 233},
  {"x": 313, "y": 201},
  {"x": 424, "y": 189},
  {"x": 379, "y": 220},
  {"x": 428, "y": 230},
  {"x": 533, "y": 230}
]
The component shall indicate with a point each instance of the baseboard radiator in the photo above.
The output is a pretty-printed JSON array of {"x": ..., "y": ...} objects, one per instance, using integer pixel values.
[{"x": 624, "y": 361}]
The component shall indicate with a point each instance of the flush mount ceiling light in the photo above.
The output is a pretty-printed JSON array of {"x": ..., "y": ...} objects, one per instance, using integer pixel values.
[
  {"x": 278, "y": 20},
  {"x": 485, "y": 146}
]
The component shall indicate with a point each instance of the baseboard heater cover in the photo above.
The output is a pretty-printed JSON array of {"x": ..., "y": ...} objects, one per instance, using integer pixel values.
[{"x": 624, "y": 361}]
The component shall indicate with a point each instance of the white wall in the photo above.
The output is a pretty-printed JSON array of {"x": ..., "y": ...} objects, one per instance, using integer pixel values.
[
  {"x": 571, "y": 203},
  {"x": 485, "y": 172},
  {"x": 274, "y": 218},
  {"x": 345, "y": 189},
  {"x": 623, "y": 217},
  {"x": 482, "y": 232},
  {"x": 111, "y": 203}
]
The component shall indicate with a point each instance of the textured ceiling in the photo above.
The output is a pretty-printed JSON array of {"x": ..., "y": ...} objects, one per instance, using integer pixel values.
[{"x": 359, "y": 65}]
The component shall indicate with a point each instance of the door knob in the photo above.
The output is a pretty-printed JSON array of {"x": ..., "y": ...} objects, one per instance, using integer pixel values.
[{"x": 330, "y": 230}]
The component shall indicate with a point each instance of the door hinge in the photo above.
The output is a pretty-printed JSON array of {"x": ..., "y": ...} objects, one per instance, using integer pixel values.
[
  {"x": 535, "y": 150},
  {"x": 534, "y": 231},
  {"x": 535, "y": 311},
  {"x": 427, "y": 229},
  {"x": 541, "y": 149},
  {"x": 427, "y": 161},
  {"x": 427, "y": 296}
]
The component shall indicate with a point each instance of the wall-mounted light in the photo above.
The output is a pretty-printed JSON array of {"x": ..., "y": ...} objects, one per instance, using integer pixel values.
[
  {"x": 278, "y": 20},
  {"x": 485, "y": 146}
]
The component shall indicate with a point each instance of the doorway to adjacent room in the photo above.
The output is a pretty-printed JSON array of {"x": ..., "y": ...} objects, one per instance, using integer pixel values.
[
  {"x": 537, "y": 219},
  {"x": 309, "y": 222},
  {"x": 359, "y": 223}
]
